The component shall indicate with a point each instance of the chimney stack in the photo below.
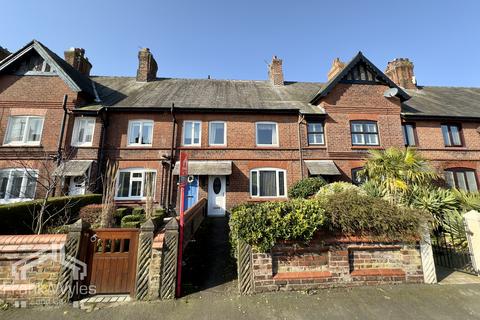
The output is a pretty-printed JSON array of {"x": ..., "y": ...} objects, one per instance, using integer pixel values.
[
  {"x": 147, "y": 66},
  {"x": 3, "y": 53},
  {"x": 275, "y": 71},
  {"x": 337, "y": 66},
  {"x": 400, "y": 71},
  {"x": 76, "y": 58}
]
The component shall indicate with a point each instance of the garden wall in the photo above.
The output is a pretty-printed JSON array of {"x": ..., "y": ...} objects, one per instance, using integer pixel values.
[
  {"x": 30, "y": 268},
  {"x": 334, "y": 261}
]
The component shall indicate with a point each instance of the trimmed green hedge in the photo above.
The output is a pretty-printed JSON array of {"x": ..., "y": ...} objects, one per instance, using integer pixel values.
[
  {"x": 133, "y": 220},
  {"x": 306, "y": 188},
  {"x": 16, "y": 218},
  {"x": 347, "y": 212}
]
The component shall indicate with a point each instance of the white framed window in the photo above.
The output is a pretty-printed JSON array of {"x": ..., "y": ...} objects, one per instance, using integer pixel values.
[
  {"x": 364, "y": 133},
  {"x": 24, "y": 130},
  {"x": 192, "y": 133},
  {"x": 217, "y": 133},
  {"x": 268, "y": 182},
  {"x": 83, "y": 130},
  {"x": 17, "y": 185},
  {"x": 315, "y": 133},
  {"x": 131, "y": 183},
  {"x": 140, "y": 133},
  {"x": 266, "y": 133}
]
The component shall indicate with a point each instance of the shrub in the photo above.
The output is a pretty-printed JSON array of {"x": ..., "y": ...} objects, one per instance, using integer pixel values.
[
  {"x": 351, "y": 213},
  {"x": 18, "y": 217},
  {"x": 337, "y": 187},
  {"x": 306, "y": 188},
  {"x": 132, "y": 220},
  {"x": 92, "y": 214},
  {"x": 138, "y": 210},
  {"x": 262, "y": 225}
]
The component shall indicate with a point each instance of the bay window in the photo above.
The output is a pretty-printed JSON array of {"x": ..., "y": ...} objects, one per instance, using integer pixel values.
[
  {"x": 266, "y": 134},
  {"x": 140, "y": 132},
  {"x": 83, "y": 131},
  {"x": 24, "y": 130},
  {"x": 268, "y": 182},
  {"x": 132, "y": 183},
  {"x": 17, "y": 185},
  {"x": 462, "y": 179}
]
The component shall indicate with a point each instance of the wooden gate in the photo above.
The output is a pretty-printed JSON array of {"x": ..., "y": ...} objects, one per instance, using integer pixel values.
[{"x": 112, "y": 260}]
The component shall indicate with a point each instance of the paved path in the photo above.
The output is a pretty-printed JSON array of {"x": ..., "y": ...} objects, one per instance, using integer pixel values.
[{"x": 394, "y": 302}]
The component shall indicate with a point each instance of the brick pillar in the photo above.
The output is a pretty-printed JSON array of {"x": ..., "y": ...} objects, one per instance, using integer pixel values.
[
  {"x": 144, "y": 258},
  {"x": 472, "y": 225},
  {"x": 169, "y": 261},
  {"x": 70, "y": 260}
]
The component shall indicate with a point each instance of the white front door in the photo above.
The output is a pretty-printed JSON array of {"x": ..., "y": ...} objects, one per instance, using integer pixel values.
[
  {"x": 77, "y": 185},
  {"x": 216, "y": 196}
]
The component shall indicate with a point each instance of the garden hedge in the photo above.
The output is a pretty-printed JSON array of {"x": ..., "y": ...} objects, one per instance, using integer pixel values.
[
  {"x": 16, "y": 218},
  {"x": 306, "y": 187}
]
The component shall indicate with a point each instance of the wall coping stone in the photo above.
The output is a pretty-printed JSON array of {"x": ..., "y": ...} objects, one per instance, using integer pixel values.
[{"x": 31, "y": 242}]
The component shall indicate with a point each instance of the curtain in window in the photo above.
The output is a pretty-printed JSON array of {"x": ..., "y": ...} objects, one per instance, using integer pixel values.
[
  {"x": 16, "y": 186},
  {"x": 188, "y": 133},
  {"x": 217, "y": 133},
  {"x": 17, "y": 129},
  {"x": 266, "y": 133},
  {"x": 147, "y": 133},
  {"x": 34, "y": 129},
  {"x": 268, "y": 186},
  {"x": 134, "y": 133},
  {"x": 196, "y": 133}
]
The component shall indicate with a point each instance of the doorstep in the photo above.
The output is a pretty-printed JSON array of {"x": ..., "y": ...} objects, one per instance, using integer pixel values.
[{"x": 102, "y": 301}]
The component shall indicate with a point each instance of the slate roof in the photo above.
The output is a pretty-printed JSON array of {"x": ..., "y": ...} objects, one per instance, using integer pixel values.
[
  {"x": 446, "y": 102},
  {"x": 74, "y": 79},
  {"x": 207, "y": 94}
]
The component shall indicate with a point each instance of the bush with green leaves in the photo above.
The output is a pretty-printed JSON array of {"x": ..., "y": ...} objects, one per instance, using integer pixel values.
[
  {"x": 133, "y": 220},
  {"x": 352, "y": 213},
  {"x": 17, "y": 218},
  {"x": 306, "y": 188},
  {"x": 262, "y": 225},
  {"x": 337, "y": 187}
]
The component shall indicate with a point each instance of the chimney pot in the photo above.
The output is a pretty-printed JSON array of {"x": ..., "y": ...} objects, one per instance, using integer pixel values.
[
  {"x": 76, "y": 58},
  {"x": 400, "y": 71},
  {"x": 275, "y": 71},
  {"x": 147, "y": 66}
]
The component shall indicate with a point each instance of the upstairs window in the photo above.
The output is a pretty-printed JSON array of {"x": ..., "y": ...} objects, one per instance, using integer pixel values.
[
  {"x": 192, "y": 133},
  {"x": 17, "y": 185},
  {"x": 315, "y": 134},
  {"x": 24, "y": 130},
  {"x": 217, "y": 134},
  {"x": 451, "y": 135},
  {"x": 364, "y": 133},
  {"x": 140, "y": 133},
  {"x": 268, "y": 182},
  {"x": 83, "y": 132},
  {"x": 462, "y": 179},
  {"x": 132, "y": 183},
  {"x": 409, "y": 135},
  {"x": 266, "y": 134}
]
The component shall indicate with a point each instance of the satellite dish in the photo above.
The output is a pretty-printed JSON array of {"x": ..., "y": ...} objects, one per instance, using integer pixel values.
[{"x": 390, "y": 93}]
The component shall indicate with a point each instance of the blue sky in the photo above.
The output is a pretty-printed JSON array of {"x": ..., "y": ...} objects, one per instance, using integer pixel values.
[{"x": 235, "y": 39}]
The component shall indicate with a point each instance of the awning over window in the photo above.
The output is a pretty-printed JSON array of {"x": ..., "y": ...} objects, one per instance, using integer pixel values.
[
  {"x": 221, "y": 168},
  {"x": 73, "y": 168},
  {"x": 322, "y": 167}
]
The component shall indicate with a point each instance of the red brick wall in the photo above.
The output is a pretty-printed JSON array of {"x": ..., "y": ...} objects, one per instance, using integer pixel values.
[{"x": 325, "y": 263}]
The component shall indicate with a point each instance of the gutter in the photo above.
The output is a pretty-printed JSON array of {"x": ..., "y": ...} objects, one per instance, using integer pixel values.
[
  {"x": 171, "y": 163},
  {"x": 301, "y": 118},
  {"x": 438, "y": 117},
  {"x": 62, "y": 130}
]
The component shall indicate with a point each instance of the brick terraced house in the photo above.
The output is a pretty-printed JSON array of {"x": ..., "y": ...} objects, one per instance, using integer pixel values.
[{"x": 247, "y": 140}]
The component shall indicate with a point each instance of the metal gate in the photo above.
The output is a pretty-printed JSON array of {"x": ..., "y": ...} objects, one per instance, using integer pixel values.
[
  {"x": 112, "y": 260},
  {"x": 450, "y": 246}
]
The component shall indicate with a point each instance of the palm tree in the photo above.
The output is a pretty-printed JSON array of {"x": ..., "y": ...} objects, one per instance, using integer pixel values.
[{"x": 397, "y": 172}]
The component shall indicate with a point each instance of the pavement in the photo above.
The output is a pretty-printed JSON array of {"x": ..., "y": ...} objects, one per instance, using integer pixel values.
[{"x": 384, "y": 302}]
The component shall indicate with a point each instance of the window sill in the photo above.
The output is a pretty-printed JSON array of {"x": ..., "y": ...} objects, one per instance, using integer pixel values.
[
  {"x": 22, "y": 146},
  {"x": 313, "y": 146},
  {"x": 16, "y": 200},
  {"x": 82, "y": 145},
  {"x": 264, "y": 199},
  {"x": 141, "y": 146},
  {"x": 367, "y": 147}
]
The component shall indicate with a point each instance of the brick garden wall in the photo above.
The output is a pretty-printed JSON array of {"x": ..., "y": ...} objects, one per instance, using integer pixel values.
[
  {"x": 332, "y": 262},
  {"x": 39, "y": 285}
]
